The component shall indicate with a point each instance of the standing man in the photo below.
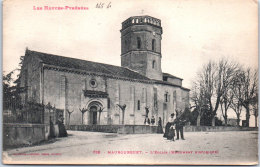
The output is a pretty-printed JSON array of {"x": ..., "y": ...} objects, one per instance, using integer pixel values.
[{"x": 180, "y": 122}]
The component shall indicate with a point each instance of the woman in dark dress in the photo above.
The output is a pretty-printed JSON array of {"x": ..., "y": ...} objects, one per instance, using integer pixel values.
[
  {"x": 171, "y": 133},
  {"x": 168, "y": 125},
  {"x": 62, "y": 129},
  {"x": 159, "y": 127}
]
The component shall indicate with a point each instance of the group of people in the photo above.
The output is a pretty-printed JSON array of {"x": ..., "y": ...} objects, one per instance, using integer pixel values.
[
  {"x": 148, "y": 122},
  {"x": 152, "y": 122},
  {"x": 172, "y": 125},
  {"x": 62, "y": 130}
]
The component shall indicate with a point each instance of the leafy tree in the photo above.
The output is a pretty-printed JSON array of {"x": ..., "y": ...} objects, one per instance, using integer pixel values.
[
  {"x": 11, "y": 98},
  {"x": 11, "y": 88}
]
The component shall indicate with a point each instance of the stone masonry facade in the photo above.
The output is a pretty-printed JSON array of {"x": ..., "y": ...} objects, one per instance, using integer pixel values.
[{"x": 73, "y": 84}]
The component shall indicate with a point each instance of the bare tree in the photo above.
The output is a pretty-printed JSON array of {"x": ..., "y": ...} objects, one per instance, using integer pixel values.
[
  {"x": 122, "y": 107},
  {"x": 69, "y": 112},
  {"x": 247, "y": 84},
  {"x": 229, "y": 69},
  {"x": 146, "y": 111},
  {"x": 211, "y": 85},
  {"x": 83, "y": 110},
  {"x": 198, "y": 98},
  {"x": 215, "y": 80},
  {"x": 236, "y": 106},
  {"x": 100, "y": 111},
  {"x": 225, "y": 103},
  {"x": 255, "y": 108},
  {"x": 236, "y": 89}
]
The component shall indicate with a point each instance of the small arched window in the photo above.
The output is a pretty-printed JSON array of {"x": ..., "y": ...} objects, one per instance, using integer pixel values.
[
  {"x": 108, "y": 103},
  {"x": 154, "y": 64},
  {"x": 153, "y": 45},
  {"x": 126, "y": 47},
  {"x": 166, "y": 98},
  {"x": 138, "y": 43}
]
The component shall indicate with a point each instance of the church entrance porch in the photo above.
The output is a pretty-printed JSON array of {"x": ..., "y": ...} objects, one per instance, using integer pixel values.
[{"x": 95, "y": 109}]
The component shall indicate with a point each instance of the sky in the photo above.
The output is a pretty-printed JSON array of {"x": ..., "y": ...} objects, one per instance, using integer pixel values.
[{"x": 194, "y": 31}]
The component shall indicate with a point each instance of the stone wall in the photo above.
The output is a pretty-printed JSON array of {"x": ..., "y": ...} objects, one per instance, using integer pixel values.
[
  {"x": 145, "y": 58},
  {"x": 130, "y": 93},
  {"x": 30, "y": 79},
  {"x": 24, "y": 134},
  {"x": 216, "y": 128},
  {"x": 146, "y": 33},
  {"x": 175, "y": 81},
  {"x": 121, "y": 129},
  {"x": 95, "y": 128},
  {"x": 143, "y": 129}
]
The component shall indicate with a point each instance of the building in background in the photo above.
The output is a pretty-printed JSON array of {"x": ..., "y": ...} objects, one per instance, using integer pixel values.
[{"x": 232, "y": 121}]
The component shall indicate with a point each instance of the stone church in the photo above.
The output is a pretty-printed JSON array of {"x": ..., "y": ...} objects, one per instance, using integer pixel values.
[{"x": 139, "y": 85}]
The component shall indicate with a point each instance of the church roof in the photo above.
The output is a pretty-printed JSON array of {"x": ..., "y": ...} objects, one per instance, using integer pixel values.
[
  {"x": 171, "y": 76},
  {"x": 88, "y": 66},
  {"x": 94, "y": 67}
]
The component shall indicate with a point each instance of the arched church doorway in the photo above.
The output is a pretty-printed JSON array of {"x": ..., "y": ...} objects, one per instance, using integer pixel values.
[
  {"x": 95, "y": 110},
  {"x": 93, "y": 114}
]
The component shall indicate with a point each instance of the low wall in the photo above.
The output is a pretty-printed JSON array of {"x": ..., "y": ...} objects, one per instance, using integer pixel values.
[
  {"x": 142, "y": 129},
  {"x": 95, "y": 128},
  {"x": 24, "y": 134},
  {"x": 122, "y": 129},
  {"x": 217, "y": 128},
  {"x": 137, "y": 129}
]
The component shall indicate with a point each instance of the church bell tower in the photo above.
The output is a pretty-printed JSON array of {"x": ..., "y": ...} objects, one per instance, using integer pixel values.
[{"x": 141, "y": 45}]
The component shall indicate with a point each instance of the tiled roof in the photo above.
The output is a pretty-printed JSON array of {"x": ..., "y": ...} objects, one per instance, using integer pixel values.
[
  {"x": 171, "y": 84},
  {"x": 88, "y": 66},
  {"x": 171, "y": 76}
]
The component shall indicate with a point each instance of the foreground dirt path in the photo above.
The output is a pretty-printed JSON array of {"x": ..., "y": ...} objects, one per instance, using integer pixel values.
[{"x": 236, "y": 147}]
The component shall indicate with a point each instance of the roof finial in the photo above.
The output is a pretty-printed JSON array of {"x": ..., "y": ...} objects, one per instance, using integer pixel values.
[{"x": 142, "y": 11}]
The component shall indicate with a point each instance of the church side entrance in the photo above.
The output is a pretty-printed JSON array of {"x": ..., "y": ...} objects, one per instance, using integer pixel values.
[{"x": 94, "y": 113}]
